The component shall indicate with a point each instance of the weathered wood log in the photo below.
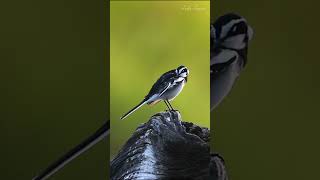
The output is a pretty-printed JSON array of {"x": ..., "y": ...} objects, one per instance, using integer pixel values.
[{"x": 167, "y": 148}]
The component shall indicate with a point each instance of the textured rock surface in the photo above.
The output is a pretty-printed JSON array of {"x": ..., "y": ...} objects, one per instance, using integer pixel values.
[{"x": 167, "y": 148}]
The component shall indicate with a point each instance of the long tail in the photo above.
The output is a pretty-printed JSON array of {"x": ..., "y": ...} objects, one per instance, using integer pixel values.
[
  {"x": 134, "y": 109},
  {"x": 100, "y": 134}
]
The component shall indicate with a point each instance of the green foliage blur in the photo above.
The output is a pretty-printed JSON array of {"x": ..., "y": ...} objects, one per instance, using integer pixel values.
[{"x": 148, "y": 39}]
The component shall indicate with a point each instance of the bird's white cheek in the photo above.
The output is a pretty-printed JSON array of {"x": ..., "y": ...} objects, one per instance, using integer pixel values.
[
  {"x": 179, "y": 79},
  {"x": 223, "y": 57},
  {"x": 183, "y": 75},
  {"x": 235, "y": 42}
]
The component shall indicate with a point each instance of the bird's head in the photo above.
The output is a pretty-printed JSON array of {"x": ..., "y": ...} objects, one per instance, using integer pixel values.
[
  {"x": 182, "y": 72},
  {"x": 229, "y": 39},
  {"x": 231, "y": 31}
]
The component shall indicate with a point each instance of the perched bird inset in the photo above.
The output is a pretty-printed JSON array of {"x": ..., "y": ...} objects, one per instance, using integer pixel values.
[
  {"x": 229, "y": 38},
  {"x": 166, "y": 88}
]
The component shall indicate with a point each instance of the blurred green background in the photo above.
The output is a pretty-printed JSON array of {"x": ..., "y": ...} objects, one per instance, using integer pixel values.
[
  {"x": 148, "y": 39},
  {"x": 54, "y": 90},
  {"x": 54, "y": 86},
  {"x": 268, "y": 128}
]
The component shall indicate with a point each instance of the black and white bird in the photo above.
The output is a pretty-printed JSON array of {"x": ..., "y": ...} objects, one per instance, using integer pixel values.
[
  {"x": 166, "y": 88},
  {"x": 229, "y": 38}
]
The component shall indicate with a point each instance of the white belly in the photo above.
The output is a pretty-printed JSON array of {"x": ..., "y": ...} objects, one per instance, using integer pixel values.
[{"x": 170, "y": 94}]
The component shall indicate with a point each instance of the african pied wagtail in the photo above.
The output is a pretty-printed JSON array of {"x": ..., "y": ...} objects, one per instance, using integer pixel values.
[
  {"x": 229, "y": 37},
  {"x": 166, "y": 88}
]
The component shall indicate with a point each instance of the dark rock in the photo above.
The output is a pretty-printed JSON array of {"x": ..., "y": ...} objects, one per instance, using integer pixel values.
[
  {"x": 167, "y": 148},
  {"x": 217, "y": 168}
]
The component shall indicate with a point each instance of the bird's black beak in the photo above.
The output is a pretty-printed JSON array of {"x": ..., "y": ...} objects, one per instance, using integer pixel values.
[{"x": 186, "y": 79}]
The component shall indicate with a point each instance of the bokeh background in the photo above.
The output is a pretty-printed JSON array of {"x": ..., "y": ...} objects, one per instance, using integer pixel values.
[
  {"x": 268, "y": 128},
  {"x": 147, "y": 39},
  {"x": 54, "y": 86},
  {"x": 54, "y": 90}
]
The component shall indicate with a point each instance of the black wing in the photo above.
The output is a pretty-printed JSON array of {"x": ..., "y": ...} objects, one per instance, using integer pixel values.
[{"x": 162, "y": 83}]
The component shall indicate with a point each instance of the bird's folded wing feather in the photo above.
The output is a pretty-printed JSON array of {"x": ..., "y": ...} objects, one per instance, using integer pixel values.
[
  {"x": 164, "y": 90},
  {"x": 162, "y": 84}
]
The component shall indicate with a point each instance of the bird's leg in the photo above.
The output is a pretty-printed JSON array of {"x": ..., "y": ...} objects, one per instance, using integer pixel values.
[
  {"x": 170, "y": 106},
  {"x": 167, "y": 105}
]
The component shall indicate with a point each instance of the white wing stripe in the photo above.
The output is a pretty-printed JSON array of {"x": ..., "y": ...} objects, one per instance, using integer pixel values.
[{"x": 169, "y": 84}]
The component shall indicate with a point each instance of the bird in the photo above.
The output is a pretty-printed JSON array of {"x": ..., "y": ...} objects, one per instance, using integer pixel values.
[
  {"x": 166, "y": 88},
  {"x": 229, "y": 39}
]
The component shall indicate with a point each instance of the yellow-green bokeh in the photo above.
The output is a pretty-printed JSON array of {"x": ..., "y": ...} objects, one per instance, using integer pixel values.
[{"x": 146, "y": 40}]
